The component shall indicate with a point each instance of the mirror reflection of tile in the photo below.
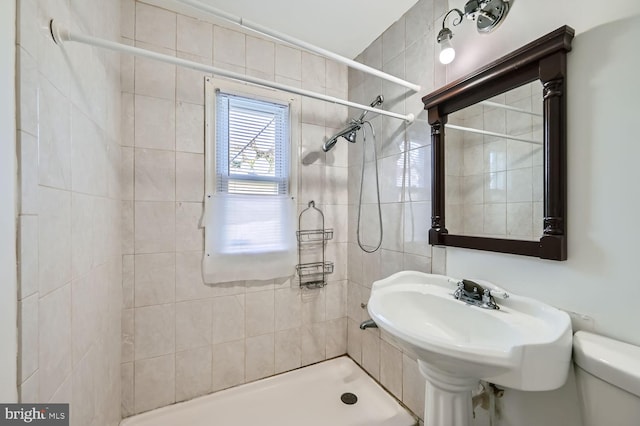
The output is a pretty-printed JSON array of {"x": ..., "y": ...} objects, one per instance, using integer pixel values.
[{"x": 494, "y": 166}]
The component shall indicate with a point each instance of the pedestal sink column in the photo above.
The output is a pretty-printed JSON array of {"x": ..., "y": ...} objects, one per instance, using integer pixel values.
[{"x": 447, "y": 397}]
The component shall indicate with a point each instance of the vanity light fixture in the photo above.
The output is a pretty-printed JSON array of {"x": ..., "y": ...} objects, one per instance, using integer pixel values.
[{"x": 486, "y": 13}]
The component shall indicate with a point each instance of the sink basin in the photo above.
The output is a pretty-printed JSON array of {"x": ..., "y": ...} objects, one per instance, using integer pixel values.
[{"x": 524, "y": 345}]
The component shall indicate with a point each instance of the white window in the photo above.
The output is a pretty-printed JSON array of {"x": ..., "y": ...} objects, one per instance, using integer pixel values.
[{"x": 249, "y": 210}]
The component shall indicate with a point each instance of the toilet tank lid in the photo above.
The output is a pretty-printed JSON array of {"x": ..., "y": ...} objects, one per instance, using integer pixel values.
[{"x": 613, "y": 361}]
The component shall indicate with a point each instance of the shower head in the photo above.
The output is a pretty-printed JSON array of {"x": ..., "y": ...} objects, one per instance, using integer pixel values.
[
  {"x": 328, "y": 145},
  {"x": 349, "y": 133}
]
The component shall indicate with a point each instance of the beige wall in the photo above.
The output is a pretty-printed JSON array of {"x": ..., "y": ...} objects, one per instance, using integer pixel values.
[
  {"x": 602, "y": 202},
  {"x": 69, "y": 212},
  {"x": 180, "y": 337},
  {"x": 8, "y": 289}
]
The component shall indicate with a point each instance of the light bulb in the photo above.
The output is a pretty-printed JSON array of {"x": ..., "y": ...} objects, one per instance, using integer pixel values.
[{"x": 447, "y": 52}]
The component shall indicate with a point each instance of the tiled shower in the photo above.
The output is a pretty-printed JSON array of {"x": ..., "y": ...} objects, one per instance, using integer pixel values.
[
  {"x": 181, "y": 337},
  {"x": 117, "y": 318}
]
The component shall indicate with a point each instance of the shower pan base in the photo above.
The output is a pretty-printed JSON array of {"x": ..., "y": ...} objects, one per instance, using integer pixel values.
[{"x": 310, "y": 396}]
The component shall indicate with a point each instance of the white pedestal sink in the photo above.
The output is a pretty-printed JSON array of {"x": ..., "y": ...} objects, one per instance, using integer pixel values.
[{"x": 524, "y": 345}]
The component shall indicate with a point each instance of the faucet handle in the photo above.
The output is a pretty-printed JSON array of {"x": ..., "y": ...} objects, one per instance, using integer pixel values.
[
  {"x": 459, "y": 291},
  {"x": 488, "y": 301}
]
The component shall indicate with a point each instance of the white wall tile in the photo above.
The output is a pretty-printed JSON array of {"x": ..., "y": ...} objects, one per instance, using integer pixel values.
[
  {"x": 336, "y": 300},
  {"x": 28, "y": 91},
  {"x": 127, "y": 227},
  {"x": 413, "y": 386},
  {"x": 354, "y": 341},
  {"x": 288, "y": 62},
  {"x": 28, "y": 169},
  {"x": 84, "y": 319},
  {"x": 154, "y": 279},
  {"x": 154, "y": 332},
  {"x": 149, "y": 217},
  {"x": 154, "y": 78},
  {"x": 127, "y": 116},
  {"x": 261, "y": 56},
  {"x": 126, "y": 173},
  {"x": 195, "y": 36},
  {"x": 54, "y": 239},
  {"x": 335, "y": 187},
  {"x": 313, "y": 306},
  {"x": 155, "y": 175},
  {"x": 189, "y": 177},
  {"x": 259, "y": 352},
  {"x": 154, "y": 123},
  {"x": 28, "y": 249},
  {"x": 193, "y": 373},
  {"x": 337, "y": 77},
  {"x": 228, "y": 318},
  {"x": 54, "y": 341},
  {"x": 288, "y": 309},
  {"x": 228, "y": 364},
  {"x": 83, "y": 390},
  {"x": 127, "y": 18},
  {"x": 336, "y": 343},
  {"x": 126, "y": 398},
  {"x": 229, "y": 46},
  {"x": 313, "y": 343},
  {"x": 391, "y": 368},
  {"x": 189, "y": 234},
  {"x": 190, "y": 125},
  {"x": 313, "y": 111},
  {"x": 313, "y": 71},
  {"x": 287, "y": 350},
  {"x": 259, "y": 313},
  {"x": 70, "y": 100},
  {"x": 189, "y": 282},
  {"x": 54, "y": 137},
  {"x": 154, "y": 383},
  {"x": 393, "y": 40},
  {"x": 190, "y": 83},
  {"x": 128, "y": 332},
  {"x": 193, "y": 325},
  {"x": 371, "y": 353},
  {"x": 155, "y": 26},
  {"x": 28, "y": 356}
]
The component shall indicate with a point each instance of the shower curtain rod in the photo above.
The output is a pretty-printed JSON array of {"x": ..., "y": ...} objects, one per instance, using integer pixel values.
[
  {"x": 297, "y": 42},
  {"x": 61, "y": 35},
  {"x": 488, "y": 133},
  {"x": 509, "y": 107}
]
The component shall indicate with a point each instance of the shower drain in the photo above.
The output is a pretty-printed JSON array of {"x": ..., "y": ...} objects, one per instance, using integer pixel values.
[{"x": 348, "y": 398}]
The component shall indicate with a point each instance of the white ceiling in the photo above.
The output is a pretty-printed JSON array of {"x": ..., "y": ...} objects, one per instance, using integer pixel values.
[{"x": 346, "y": 27}]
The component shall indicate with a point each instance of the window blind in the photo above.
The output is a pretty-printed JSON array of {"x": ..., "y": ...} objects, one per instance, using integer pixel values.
[
  {"x": 252, "y": 155},
  {"x": 250, "y": 217}
]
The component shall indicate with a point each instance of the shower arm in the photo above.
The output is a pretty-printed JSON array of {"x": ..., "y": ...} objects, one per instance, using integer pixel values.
[
  {"x": 377, "y": 101},
  {"x": 354, "y": 125}
]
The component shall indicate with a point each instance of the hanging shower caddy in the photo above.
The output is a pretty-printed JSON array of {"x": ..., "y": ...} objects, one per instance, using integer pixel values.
[{"x": 312, "y": 243}]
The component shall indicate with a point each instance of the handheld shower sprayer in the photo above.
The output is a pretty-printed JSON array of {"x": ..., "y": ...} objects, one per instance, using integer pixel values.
[{"x": 351, "y": 131}]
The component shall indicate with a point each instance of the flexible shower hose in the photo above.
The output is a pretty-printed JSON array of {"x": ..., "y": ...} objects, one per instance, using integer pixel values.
[{"x": 375, "y": 156}]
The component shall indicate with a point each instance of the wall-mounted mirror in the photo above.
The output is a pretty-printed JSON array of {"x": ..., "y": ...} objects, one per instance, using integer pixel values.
[{"x": 499, "y": 154}]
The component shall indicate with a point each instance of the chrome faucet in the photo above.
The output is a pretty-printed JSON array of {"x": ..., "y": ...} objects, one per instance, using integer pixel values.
[
  {"x": 368, "y": 324},
  {"x": 474, "y": 294}
]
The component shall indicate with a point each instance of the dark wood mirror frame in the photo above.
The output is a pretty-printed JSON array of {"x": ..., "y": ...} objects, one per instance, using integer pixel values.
[{"x": 544, "y": 60}]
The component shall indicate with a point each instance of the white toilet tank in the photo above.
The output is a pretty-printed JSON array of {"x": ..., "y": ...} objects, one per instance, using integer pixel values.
[{"x": 608, "y": 378}]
